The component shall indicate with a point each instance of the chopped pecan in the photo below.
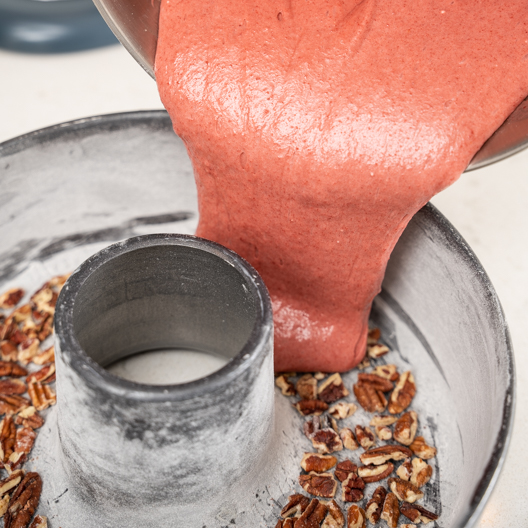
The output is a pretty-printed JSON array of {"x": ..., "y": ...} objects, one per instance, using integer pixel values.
[
  {"x": 421, "y": 472},
  {"x": 405, "y": 428},
  {"x": 332, "y": 389},
  {"x": 4, "y": 502},
  {"x": 307, "y": 387},
  {"x": 48, "y": 356},
  {"x": 11, "y": 481},
  {"x": 311, "y": 426},
  {"x": 375, "y": 505},
  {"x": 12, "y": 404},
  {"x": 27, "y": 350},
  {"x": 313, "y": 516},
  {"x": 285, "y": 385},
  {"x": 43, "y": 374},
  {"x": 7, "y": 438},
  {"x": 12, "y": 386},
  {"x": 389, "y": 372},
  {"x": 46, "y": 330},
  {"x": 374, "y": 335},
  {"x": 10, "y": 368},
  {"x": 326, "y": 441},
  {"x": 11, "y": 298},
  {"x": 365, "y": 363},
  {"x": 402, "y": 394},
  {"x": 41, "y": 395},
  {"x": 417, "y": 513},
  {"x": 41, "y": 522},
  {"x": 342, "y": 410},
  {"x": 306, "y": 407},
  {"x": 29, "y": 417},
  {"x": 335, "y": 517},
  {"x": 24, "y": 502},
  {"x": 356, "y": 517},
  {"x": 377, "y": 350},
  {"x": 319, "y": 484},
  {"x": 318, "y": 463},
  {"x": 365, "y": 437},
  {"x": 348, "y": 438},
  {"x": 58, "y": 281},
  {"x": 391, "y": 510},
  {"x": 404, "y": 490},
  {"x": 405, "y": 470},
  {"x": 380, "y": 455},
  {"x": 320, "y": 376},
  {"x": 421, "y": 449},
  {"x": 333, "y": 423},
  {"x": 25, "y": 438},
  {"x": 383, "y": 432},
  {"x": 379, "y": 383},
  {"x": 44, "y": 300},
  {"x": 375, "y": 473},
  {"x": 382, "y": 420},
  {"x": 288, "y": 523},
  {"x": 369, "y": 398},
  {"x": 297, "y": 503},
  {"x": 21, "y": 313},
  {"x": 344, "y": 469},
  {"x": 353, "y": 487},
  {"x": 9, "y": 352}
]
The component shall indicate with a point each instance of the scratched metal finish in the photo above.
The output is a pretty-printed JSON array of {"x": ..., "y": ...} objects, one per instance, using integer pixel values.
[{"x": 73, "y": 189}]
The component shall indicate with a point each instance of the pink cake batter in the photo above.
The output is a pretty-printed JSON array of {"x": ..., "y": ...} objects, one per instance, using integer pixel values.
[{"x": 317, "y": 128}]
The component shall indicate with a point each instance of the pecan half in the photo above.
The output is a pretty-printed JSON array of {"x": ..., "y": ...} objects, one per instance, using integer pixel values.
[
  {"x": 404, "y": 490},
  {"x": 344, "y": 469},
  {"x": 48, "y": 356},
  {"x": 25, "y": 438},
  {"x": 11, "y": 481},
  {"x": 391, "y": 510},
  {"x": 377, "y": 350},
  {"x": 10, "y": 368},
  {"x": 29, "y": 417},
  {"x": 369, "y": 398},
  {"x": 326, "y": 441},
  {"x": 335, "y": 517},
  {"x": 389, "y": 372},
  {"x": 365, "y": 437},
  {"x": 24, "y": 502},
  {"x": 297, "y": 503},
  {"x": 39, "y": 522},
  {"x": 42, "y": 396},
  {"x": 307, "y": 407},
  {"x": 417, "y": 513},
  {"x": 332, "y": 389},
  {"x": 318, "y": 463},
  {"x": 420, "y": 448},
  {"x": 421, "y": 472},
  {"x": 375, "y": 473},
  {"x": 380, "y": 455},
  {"x": 12, "y": 404},
  {"x": 381, "y": 420},
  {"x": 383, "y": 432},
  {"x": 319, "y": 484},
  {"x": 12, "y": 386},
  {"x": 356, "y": 517},
  {"x": 313, "y": 516},
  {"x": 375, "y": 505},
  {"x": 11, "y": 298},
  {"x": 405, "y": 428},
  {"x": 405, "y": 470},
  {"x": 7, "y": 438},
  {"x": 43, "y": 374},
  {"x": 342, "y": 410},
  {"x": 348, "y": 438},
  {"x": 285, "y": 385},
  {"x": 353, "y": 487},
  {"x": 377, "y": 382},
  {"x": 307, "y": 387},
  {"x": 402, "y": 394}
]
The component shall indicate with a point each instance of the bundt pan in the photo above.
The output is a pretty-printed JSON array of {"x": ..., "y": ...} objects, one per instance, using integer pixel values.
[{"x": 223, "y": 450}]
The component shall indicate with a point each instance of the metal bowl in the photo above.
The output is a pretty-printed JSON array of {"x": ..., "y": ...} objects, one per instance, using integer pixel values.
[{"x": 72, "y": 189}]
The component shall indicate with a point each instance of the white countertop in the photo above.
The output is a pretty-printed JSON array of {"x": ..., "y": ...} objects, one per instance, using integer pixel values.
[{"x": 488, "y": 206}]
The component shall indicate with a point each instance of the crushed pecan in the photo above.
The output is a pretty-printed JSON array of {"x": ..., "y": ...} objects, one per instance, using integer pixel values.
[
  {"x": 335, "y": 517},
  {"x": 306, "y": 407},
  {"x": 42, "y": 396},
  {"x": 307, "y": 387},
  {"x": 11, "y": 298},
  {"x": 41, "y": 522},
  {"x": 319, "y": 484},
  {"x": 404, "y": 490},
  {"x": 375, "y": 473},
  {"x": 10, "y": 368},
  {"x": 342, "y": 410},
  {"x": 353, "y": 487},
  {"x": 421, "y": 449},
  {"x": 365, "y": 437},
  {"x": 380, "y": 455},
  {"x": 377, "y": 350},
  {"x": 402, "y": 394},
  {"x": 391, "y": 510},
  {"x": 332, "y": 389},
  {"x": 383, "y": 432},
  {"x": 356, "y": 517},
  {"x": 285, "y": 385},
  {"x": 29, "y": 417},
  {"x": 297, "y": 503},
  {"x": 344, "y": 469},
  {"x": 348, "y": 438},
  {"x": 313, "y": 516},
  {"x": 406, "y": 427},
  {"x": 371, "y": 399},
  {"x": 421, "y": 472},
  {"x": 24, "y": 501},
  {"x": 389, "y": 372},
  {"x": 317, "y": 462},
  {"x": 12, "y": 386},
  {"x": 375, "y": 505},
  {"x": 326, "y": 441},
  {"x": 417, "y": 513}
]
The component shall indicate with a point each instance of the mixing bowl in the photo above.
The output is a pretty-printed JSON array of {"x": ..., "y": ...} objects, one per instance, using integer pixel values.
[{"x": 72, "y": 189}]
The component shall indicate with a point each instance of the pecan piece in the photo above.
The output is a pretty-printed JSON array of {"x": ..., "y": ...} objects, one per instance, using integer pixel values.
[
  {"x": 391, "y": 510},
  {"x": 24, "y": 502},
  {"x": 307, "y": 387},
  {"x": 311, "y": 426},
  {"x": 319, "y": 484},
  {"x": 365, "y": 363},
  {"x": 306, "y": 407},
  {"x": 297, "y": 503},
  {"x": 380, "y": 455},
  {"x": 375, "y": 505},
  {"x": 374, "y": 335},
  {"x": 44, "y": 300},
  {"x": 420, "y": 448},
  {"x": 43, "y": 374},
  {"x": 25, "y": 438},
  {"x": 369, "y": 398},
  {"x": 12, "y": 404},
  {"x": 377, "y": 350},
  {"x": 313, "y": 516},
  {"x": 41, "y": 395},
  {"x": 11, "y": 298},
  {"x": 318, "y": 463},
  {"x": 365, "y": 437},
  {"x": 417, "y": 513},
  {"x": 382, "y": 420},
  {"x": 421, "y": 472},
  {"x": 335, "y": 517},
  {"x": 58, "y": 281},
  {"x": 375, "y": 473},
  {"x": 404, "y": 490},
  {"x": 356, "y": 517},
  {"x": 348, "y": 438},
  {"x": 344, "y": 469},
  {"x": 29, "y": 417},
  {"x": 4, "y": 502},
  {"x": 48, "y": 356},
  {"x": 39, "y": 522},
  {"x": 405, "y": 428},
  {"x": 12, "y": 386},
  {"x": 389, "y": 372},
  {"x": 11, "y": 481},
  {"x": 319, "y": 376},
  {"x": 10, "y": 368},
  {"x": 402, "y": 394},
  {"x": 353, "y": 487},
  {"x": 46, "y": 330},
  {"x": 326, "y": 441},
  {"x": 342, "y": 410},
  {"x": 405, "y": 470},
  {"x": 21, "y": 314},
  {"x": 27, "y": 350},
  {"x": 7, "y": 438},
  {"x": 9, "y": 352},
  {"x": 383, "y": 432},
  {"x": 379, "y": 383},
  {"x": 285, "y": 385},
  {"x": 332, "y": 389}
]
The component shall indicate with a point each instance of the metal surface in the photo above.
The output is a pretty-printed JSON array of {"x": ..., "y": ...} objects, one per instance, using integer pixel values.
[{"x": 74, "y": 188}]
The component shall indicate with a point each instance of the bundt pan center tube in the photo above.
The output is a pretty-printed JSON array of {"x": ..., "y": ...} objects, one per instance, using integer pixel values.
[{"x": 145, "y": 452}]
